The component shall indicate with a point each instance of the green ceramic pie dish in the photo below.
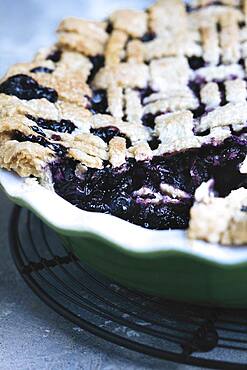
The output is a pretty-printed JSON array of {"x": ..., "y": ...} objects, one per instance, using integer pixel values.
[{"x": 164, "y": 263}]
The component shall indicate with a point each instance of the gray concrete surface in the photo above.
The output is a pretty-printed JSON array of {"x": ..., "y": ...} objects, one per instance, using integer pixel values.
[{"x": 32, "y": 336}]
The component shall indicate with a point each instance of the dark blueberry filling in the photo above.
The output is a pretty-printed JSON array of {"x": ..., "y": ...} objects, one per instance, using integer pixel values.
[
  {"x": 109, "y": 27},
  {"x": 98, "y": 62},
  {"x": 195, "y": 87},
  {"x": 154, "y": 143},
  {"x": 218, "y": 26},
  {"x": 148, "y": 36},
  {"x": 225, "y": 165},
  {"x": 144, "y": 93},
  {"x": 55, "y": 56},
  {"x": 25, "y": 87},
  {"x": 239, "y": 133},
  {"x": 64, "y": 125},
  {"x": 149, "y": 118},
  {"x": 59, "y": 149},
  {"x": 241, "y": 24},
  {"x": 41, "y": 70},
  {"x": 196, "y": 62},
  {"x": 109, "y": 132},
  {"x": 242, "y": 62},
  {"x": 99, "y": 102},
  {"x": 190, "y": 8},
  {"x": 216, "y": 3},
  {"x": 56, "y": 137},
  {"x": 113, "y": 190},
  {"x": 202, "y": 133},
  {"x": 38, "y": 131},
  {"x": 198, "y": 112},
  {"x": 222, "y": 90}
]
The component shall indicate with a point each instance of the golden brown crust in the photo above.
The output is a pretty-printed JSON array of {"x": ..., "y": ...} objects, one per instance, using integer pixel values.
[
  {"x": 117, "y": 151},
  {"x": 175, "y": 131},
  {"x": 114, "y": 51},
  {"x": 219, "y": 220},
  {"x": 132, "y": 22},
  {"x": 169, "y": 73},
  {"x": 87, "y": 37},
  {"x": 133, "y": 75},
  {"x": 210, "y": 95},
  {"x": 25, "y": 158}
]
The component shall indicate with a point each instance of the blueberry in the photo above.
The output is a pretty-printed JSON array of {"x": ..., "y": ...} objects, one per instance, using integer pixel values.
[
  {"x": 195, "y": 87},
  {"x": 99, "y": 103},
  {"x": 73, "y": 192},
  {"x": 63, "y": 169},
  {"x": 38, "y": 131},
  {"x": 189, "y": 9},
  {"x": 154, "y": 143},
  {"x": 196, "y": 62},
  {"x": 41, "y": 70},
  {"x": 119, "y": 206},
  {"x": 148, "y": 36},
  {"x": 64, "y": 126},
  {"x": 144, "y": 93},
  {"x": 199, "y": 173},
  {"x": 109, "y": 27},
  {"x": 149, "y": 118},
  {"x": 109, "y": 132},
  {"x": 56, "y": 137},
  {"x": 203, "y": 133},
  {"x": 222, "y": 89},
  {"x": 147, "y": 217},
  {"x": 55, "y": 55},
  {"x": 241, "y": 24},
  {"x": 96, "y": 206},
  {"x": 198, "y": 112},
  {"x": 98, "y": 62},
  {"x": 59, "y": 149},
  {"x": 105, "y": 133},
  {"x": 25, "y": 87},
  {"x": 242, "y": 62}
]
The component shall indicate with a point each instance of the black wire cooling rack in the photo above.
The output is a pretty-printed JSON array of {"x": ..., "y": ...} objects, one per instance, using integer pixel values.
[{"x": 189, "y": 334}]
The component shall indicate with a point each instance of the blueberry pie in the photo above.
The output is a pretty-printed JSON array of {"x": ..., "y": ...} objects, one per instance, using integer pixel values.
[{"x": 142, "y": 116}]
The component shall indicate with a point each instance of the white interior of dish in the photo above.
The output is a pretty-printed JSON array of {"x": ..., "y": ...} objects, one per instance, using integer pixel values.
[{"x": 65, "y": 217}]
